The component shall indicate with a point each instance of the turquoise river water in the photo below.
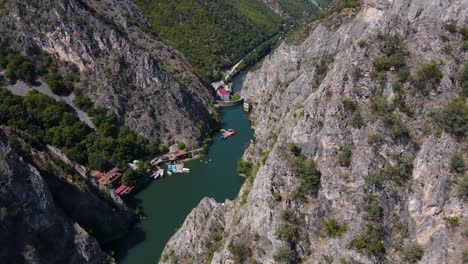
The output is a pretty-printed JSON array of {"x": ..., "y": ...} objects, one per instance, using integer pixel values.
[{"x": 167, "y": 202}]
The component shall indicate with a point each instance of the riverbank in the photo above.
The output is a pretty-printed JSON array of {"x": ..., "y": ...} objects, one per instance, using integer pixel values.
[
  {"x": 229, "y": 103},
  {"x": 166, "y": 202}
]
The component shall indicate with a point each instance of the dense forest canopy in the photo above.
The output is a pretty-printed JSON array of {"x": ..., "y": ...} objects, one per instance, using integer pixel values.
[
  {"x": 45, "y": 120},
  {"x": 216, "y": 34}
]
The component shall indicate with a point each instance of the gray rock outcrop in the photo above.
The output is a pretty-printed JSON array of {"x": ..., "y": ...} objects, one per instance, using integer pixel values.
[
  {"x": 299, "y": 97},
  {"x": 149, "y": 85},
  {"x": 34, "y": 230},
  {"x": 49, "y": 213}
]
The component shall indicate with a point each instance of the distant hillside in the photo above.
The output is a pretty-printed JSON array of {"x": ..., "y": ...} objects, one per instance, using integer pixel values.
[{"x": 214, "y": 35}]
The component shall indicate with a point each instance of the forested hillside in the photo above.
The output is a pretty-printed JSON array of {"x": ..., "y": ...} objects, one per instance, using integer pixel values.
[{"x": 214, "y": 35}]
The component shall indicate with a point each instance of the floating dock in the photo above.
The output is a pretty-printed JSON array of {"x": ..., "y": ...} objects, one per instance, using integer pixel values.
[{"x": 227, "y": 133}]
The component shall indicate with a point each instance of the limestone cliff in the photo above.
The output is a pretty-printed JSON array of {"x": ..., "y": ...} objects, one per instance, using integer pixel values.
[
  {"x": 351, "y": 93},
  {"x": 50, "y": 213},
  {"x": 148, "y": 84}
]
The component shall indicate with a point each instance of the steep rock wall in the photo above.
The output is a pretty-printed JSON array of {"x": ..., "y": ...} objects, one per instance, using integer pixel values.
[
  {"x": 299, "y": 97},
  {"x": 148, "y": 84}
]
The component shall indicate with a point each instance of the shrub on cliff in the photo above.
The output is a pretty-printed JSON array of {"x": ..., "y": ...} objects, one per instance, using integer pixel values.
[
  {"x": 457, "y": 164},
  {"x": 289, "y": 231},
  {"x": 309, "y": 176},
  {"x": 285, "y": 255},
  {"x": 428, "y": 77},
  {"x": 345, "y": 156},
  {"x": 464, "y": 80},
  {"x": 295, "y": 149},
  {"x": 397, "y": 129},
  {"x": 412, "y": 253},
  {"x": 244, "y": 168},
  {"x": 241, "y": 252},
  {"x": 375, "y": 139},
  {"x": 370, "y": 242},
  {"x": 454, "y": 118},
  {"x": 333, "y": 228},
  {"x": 394, "y": 54},
  {"x": 462, "y": 185},
  {"x": 356, "y": 120},
  {"x": 380, "y": 106},
  {"x": 399, "y": 173}
]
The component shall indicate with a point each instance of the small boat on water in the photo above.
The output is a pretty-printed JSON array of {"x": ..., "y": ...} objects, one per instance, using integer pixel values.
[
  {"x": 169, "y": 173},
  {"x": 186, "y": 170},
  {"x": 159, "y": 173},
  {"x": 227, "y": 133}
]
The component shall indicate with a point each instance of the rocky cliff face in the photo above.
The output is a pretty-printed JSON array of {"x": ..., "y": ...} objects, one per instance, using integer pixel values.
[
  {"x": 149, "y": 85},
  {"x": 49, "y": 213},
  {"x": 384, "y": 163}
]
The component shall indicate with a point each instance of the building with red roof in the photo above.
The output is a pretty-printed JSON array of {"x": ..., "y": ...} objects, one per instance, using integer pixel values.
[
  {"x": 181, "y": 154},
  {"x": 120, "y": 189},
  {"x": 223, "y": 94},
  {"x": 110, "y": 178},
  {"x": 124, "y": 190}
]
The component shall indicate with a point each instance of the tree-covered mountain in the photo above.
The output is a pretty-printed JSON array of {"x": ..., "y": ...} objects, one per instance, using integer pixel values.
[{"x": 216, "y": 34}]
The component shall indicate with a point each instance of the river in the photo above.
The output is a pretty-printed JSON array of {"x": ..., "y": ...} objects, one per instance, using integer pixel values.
[{"x": 167, "y": 202}]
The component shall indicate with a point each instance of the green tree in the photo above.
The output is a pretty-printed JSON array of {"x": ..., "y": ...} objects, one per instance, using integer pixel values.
[
  {"x": 99, "y": 162},
  {"x": 130, "y": 177},
  {"x": 84, "y": 103},
  {"x": 181, "y": 145}
]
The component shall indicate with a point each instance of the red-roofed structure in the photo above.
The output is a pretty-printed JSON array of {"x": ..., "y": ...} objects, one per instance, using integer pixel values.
[
  {"x": 127, "y": 190},
  {"x": 111, "y": 177},
  {"x": 223, "y": 91},
  {"x": 97, "y": 174},
  {"x": 223, "y": 94},
  {"x": 181, "y": 153},
  {"x": 120, "y": 189}
]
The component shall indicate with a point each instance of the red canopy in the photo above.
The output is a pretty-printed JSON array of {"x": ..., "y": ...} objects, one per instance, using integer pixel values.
[{"x": 223, "y": 91}]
